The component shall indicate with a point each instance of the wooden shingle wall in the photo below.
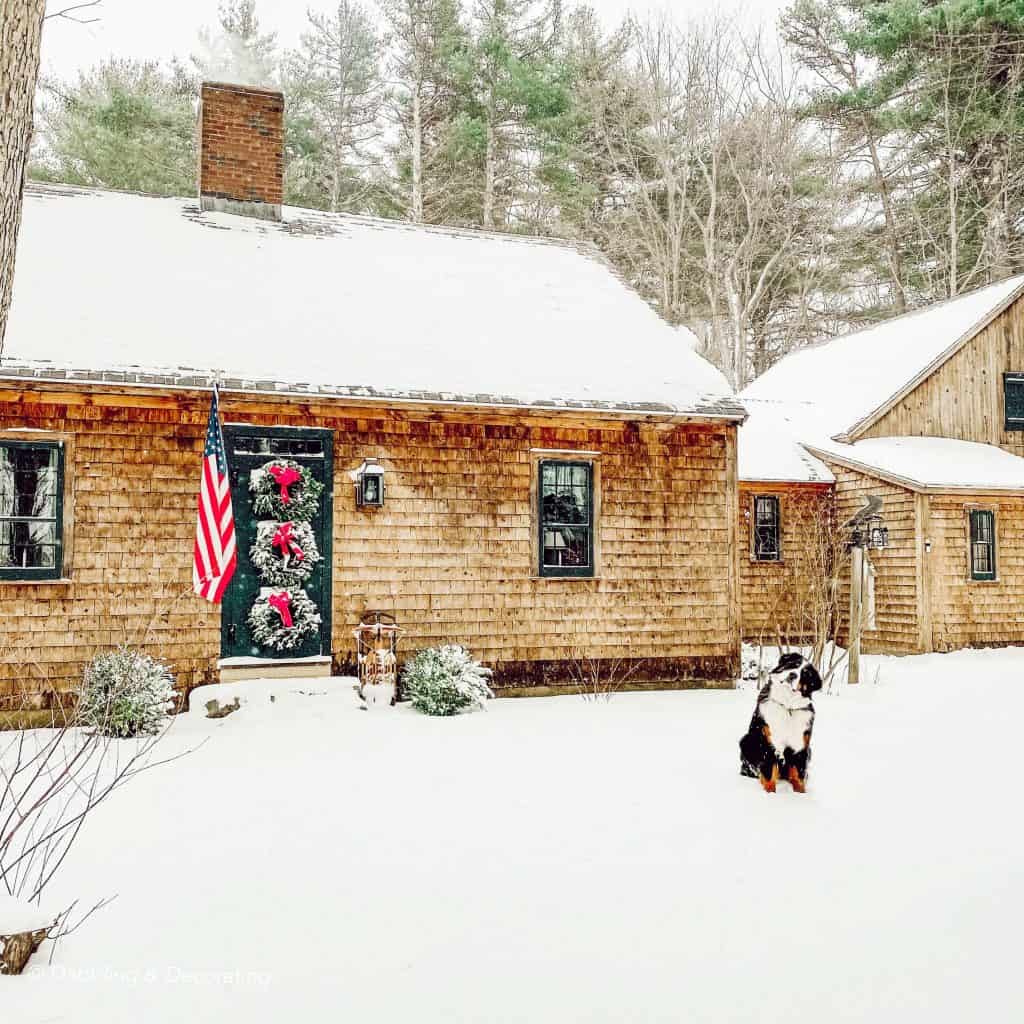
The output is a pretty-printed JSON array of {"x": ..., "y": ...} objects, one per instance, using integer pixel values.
[
  {"x": 963, "y": 399},
  {"x": 771, "y": 592},
  {"x": 975, "y": 613},
  {"x": 897, "y": 584},
  {"x": 450, "y": 554}
]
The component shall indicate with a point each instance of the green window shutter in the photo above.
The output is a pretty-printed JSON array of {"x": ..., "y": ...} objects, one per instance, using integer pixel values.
[
  {"x": 982, "y": 554},
  {"x": 1013, "y": 400}
]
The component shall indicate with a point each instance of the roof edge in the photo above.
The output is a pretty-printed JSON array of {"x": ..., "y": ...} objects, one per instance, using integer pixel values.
[
  {"x": 917, "y": 486},
  {"x": 856, "y": 431},
  {"x": 202, "y": 382}
]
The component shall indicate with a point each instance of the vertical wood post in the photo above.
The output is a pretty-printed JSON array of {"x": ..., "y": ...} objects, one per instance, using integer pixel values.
[{"x": 856, "y": 612}]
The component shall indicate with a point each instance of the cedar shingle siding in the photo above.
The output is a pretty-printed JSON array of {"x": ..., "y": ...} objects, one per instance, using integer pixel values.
[{"x": 452, "y": 553}]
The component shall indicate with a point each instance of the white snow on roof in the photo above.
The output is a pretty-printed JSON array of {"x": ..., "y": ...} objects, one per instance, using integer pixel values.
[
  {"x": 850, "y": 377},
  {"x": 108, "y": 280},
  {"x": 769, "y": 448},
  {"x": 939, "y": 463}
]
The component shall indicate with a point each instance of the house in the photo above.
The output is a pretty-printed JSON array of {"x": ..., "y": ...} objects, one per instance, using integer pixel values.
[
  {"x": 559, "y": 481},
  {"x": 925, "y": 411}
]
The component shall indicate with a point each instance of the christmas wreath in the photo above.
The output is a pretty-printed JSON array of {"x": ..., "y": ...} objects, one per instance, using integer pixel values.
[
  {"x": 284, "y": 490},
  {"x": 284, "y": 554},
  {"x": 282, "y": 619}
]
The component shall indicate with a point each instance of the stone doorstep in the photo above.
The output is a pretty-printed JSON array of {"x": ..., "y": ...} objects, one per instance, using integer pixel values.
[{"x": 239, "y": 669}]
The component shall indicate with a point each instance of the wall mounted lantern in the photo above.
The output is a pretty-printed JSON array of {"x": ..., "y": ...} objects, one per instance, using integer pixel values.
[{"x": 369, "y": 481}]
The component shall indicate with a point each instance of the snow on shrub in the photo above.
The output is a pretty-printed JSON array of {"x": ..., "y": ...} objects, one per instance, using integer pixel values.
[
  {"x": 125, "y": 693},
  {"x": 445, "y": 680}
]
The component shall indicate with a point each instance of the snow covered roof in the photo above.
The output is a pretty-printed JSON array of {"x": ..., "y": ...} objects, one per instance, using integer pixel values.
[
  {"x": 826, "y": 390},
  {"x": 931, "y": 463},
  {"x": 854, "y": 376},
  {"x": 129, "y": 289},
  {"x": 769, "y": 445}
]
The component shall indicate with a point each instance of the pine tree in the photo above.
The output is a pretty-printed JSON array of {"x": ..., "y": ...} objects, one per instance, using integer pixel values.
[
  {"x": 513, "y": 87},
  {"x": 426, "y": 37},
  {"x": 335, "y": 98},
  {"x": 124, "y": 124}
]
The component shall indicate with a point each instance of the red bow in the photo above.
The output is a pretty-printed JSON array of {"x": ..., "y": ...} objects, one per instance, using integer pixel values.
[
  {"x": 284, "y": 540},
  {"x": 285, "y": 477},
  {"x": 281, "y": 603}
]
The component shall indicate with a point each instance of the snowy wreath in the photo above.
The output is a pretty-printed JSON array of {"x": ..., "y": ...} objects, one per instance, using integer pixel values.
[
  {"x": 283, "y": 619},
  {"x": 285, "y": 490},
  {"x": 284, "y": 554}
]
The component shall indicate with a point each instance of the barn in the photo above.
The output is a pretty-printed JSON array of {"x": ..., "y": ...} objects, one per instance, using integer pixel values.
[
  {"x": 510, "y": 449},
  {"x": 926, "y": 412}
]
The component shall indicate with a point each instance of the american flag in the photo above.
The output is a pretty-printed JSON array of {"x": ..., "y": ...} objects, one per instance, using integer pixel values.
[{"x": 214, "y": 560}]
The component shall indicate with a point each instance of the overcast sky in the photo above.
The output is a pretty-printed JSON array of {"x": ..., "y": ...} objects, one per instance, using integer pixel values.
[{"x": 160, "y": 28}]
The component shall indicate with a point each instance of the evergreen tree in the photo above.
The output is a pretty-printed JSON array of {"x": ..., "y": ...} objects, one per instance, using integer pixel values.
[
  {"x": 123, "y": 124},
  {"x": 335, "y": 93},
  {"x": 427, "y": 41},
  {"x": 514, "y": 90}
]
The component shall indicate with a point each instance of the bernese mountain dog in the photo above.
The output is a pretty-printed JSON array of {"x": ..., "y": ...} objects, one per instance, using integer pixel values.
[{"x": 778, "y": 742}]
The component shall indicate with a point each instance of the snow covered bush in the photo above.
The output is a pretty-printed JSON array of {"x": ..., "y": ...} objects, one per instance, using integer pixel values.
[
  {"x": 125, "y": 693},
  {"x": 445, "y": 680}
]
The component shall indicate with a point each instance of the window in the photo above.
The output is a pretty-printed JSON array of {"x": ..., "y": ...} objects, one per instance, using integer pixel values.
[
  {"x": 983, "y": 545},
  {"x": 566, "y": 519},
  {"x": 31, "y": 507},
  {"x": 766, "y": 528},
  {"x": 1013, "y": 400}
]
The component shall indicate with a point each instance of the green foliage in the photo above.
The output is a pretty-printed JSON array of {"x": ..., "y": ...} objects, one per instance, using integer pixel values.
[
  {"x": 125, "y": 693},
  {"x": 123, "y": 124},
  {"x": 445, "y": 680}
]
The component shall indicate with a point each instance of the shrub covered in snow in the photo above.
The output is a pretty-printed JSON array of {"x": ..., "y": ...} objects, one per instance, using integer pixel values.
[
  {"x": 445, "y": 680},
  {"x": 125, "y": 693}
]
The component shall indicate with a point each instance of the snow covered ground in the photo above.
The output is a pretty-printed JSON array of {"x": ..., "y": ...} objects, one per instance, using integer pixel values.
[{"x": 551, "y": 860}]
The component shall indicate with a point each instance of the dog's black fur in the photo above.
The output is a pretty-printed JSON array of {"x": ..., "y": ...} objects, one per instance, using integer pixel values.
[{"x": 785, "y": 699}]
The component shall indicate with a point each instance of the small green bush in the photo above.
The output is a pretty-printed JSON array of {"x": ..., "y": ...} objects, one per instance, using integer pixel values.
[
  {"x": 445, "y": 680},
  {"x": 125, "y": 693}
]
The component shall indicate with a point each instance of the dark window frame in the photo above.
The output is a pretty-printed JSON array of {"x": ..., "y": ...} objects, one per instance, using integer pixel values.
[
  {"x": 756, "y": 551},
  {"x": 975, "y": 534},
  {"x": 54, "y": 572},
  {"x": 1013, "y": 423},
  {"x": 589, "y": 570}
]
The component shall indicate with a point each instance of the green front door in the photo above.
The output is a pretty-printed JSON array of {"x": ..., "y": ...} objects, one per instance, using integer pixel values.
[{"x": 249, "y": 449}]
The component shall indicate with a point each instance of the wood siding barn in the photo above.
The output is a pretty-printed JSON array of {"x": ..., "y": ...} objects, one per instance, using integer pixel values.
[
  {"x": 963, "y": 397},
  {"x": 452, "y": 554},
  {"x": 926, "y": 412}
]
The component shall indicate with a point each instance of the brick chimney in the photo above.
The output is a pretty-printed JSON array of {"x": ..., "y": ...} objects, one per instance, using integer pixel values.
[{"x": 241, "y": 150}]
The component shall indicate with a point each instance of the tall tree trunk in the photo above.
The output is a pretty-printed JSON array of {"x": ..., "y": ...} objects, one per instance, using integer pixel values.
[
  {"x": 21, "y": 28},
  {"x": 417, "y": 157},
  {"x": 489, "y": 175},
  {"x": 895, "y": 257}
]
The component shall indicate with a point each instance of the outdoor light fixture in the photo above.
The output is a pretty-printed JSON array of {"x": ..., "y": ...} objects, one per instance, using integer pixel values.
[
  {"x": 369, "y": 481},
  {"x": 878, "y": 535}
]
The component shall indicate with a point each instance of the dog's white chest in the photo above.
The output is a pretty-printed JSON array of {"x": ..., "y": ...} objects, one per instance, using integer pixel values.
[{"x": 787, "y": 727}]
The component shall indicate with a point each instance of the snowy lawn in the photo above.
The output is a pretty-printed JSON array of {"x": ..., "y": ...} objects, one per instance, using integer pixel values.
[{"x": 550, "y": 860}]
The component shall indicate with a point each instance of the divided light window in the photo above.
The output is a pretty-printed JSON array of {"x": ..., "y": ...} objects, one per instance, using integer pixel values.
[
  {"x": 566, "y": 519},
  {"x": 31, "y": 507},
  {"x": 766, "y": 528},
  {"x": 1013, "y": 400},
  {"x": 983, "y": 545}
]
